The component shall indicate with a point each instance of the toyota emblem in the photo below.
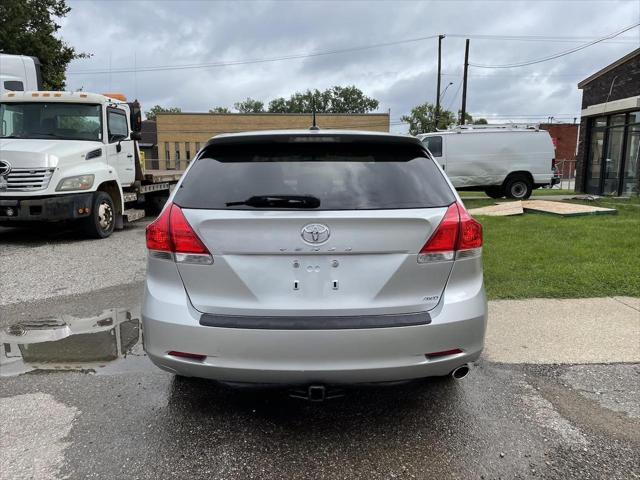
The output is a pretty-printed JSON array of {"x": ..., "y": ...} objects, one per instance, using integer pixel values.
[{"x": 315, "y": 233}]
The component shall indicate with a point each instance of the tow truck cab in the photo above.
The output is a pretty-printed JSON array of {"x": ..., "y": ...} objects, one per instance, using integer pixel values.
[
  {"x": 68, "y": 156},
  {"x": 19, "y": 73}
]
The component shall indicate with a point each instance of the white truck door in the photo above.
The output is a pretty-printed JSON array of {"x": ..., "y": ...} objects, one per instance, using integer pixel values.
[{"x": 120, "y": 148}]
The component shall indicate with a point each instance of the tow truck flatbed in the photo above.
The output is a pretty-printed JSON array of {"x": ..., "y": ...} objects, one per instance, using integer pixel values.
[{"x": 162, "y": 176}]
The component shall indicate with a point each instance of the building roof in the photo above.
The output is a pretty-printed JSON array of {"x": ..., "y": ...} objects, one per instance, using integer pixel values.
[
  {"x": 328, "y": 134},
  {"x": 278, "y": 114},
  {"x": 610, "y": 67}
]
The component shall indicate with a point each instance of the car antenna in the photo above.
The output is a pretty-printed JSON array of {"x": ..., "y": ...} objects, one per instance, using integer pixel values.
[{"x": 314, "y": 126}]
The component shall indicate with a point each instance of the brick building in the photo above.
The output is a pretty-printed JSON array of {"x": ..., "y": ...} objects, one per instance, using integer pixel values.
[
  {"x": 609, "y": 141},
  {"x": 180, "y": 135},
  {"x": 565, "y": 141}
]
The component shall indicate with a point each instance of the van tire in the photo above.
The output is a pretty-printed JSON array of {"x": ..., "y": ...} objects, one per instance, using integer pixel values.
[
  {"x": 494, "y": 192},
  {"x": 102, "y": 220},
  {"x": 518, "y": 187}
]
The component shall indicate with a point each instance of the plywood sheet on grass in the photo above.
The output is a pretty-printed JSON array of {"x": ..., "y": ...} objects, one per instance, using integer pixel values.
[
  {"x": 499, "y": 209},
  {"x": 564, "y": 209}
]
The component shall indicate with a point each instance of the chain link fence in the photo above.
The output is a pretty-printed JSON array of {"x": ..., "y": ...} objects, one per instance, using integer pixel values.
[{"x": 567, "y": 173}]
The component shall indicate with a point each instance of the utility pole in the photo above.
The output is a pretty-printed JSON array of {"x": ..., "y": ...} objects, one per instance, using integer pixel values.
[
  {"x": 463, "y": 112},
  {"x": 437, "y": 115}
]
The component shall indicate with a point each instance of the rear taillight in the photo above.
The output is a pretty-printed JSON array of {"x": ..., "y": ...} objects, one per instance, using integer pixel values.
[
  {"x": 171, "y": 237},
  {"x": 470, "y": 232},
  {"x": 442, "y": 244},
  {"x": 158, "y": 232},
  {"x": 553, "y": 163},
  {"x": 457, "y": 236}
]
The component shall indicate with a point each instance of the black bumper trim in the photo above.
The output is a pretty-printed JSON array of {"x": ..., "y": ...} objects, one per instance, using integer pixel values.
[
  {"x": 315, "y": 323},
  {"x": 46, "y": 208}
]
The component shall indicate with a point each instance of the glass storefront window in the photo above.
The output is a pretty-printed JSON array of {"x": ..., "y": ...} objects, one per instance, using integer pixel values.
[
  {"x": 600, "y": 122},
  {"x": 630, "y": 177},
  {"x": 620, "y": 119},
  {"x": 595, "y": 155},
  {"x": 613, "y": 160}
]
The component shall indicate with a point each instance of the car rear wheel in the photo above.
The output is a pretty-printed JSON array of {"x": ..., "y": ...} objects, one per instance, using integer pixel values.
[
  {"x": 494, "y": 192},
  {"x": 101, "y": 222},
  {"x": 518, "y": 187}
]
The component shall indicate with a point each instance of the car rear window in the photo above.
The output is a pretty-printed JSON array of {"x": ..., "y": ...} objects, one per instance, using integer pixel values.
[{"x": 317, "y": 176}]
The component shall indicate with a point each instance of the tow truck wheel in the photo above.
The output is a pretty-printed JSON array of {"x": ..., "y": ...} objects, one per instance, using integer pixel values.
[{"x": 102, "y": 220}]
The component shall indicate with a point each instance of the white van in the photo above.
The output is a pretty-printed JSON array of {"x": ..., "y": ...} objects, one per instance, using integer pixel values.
[
  {"x": 19, "y": 73},
  {"x": 509, "y": 161}
]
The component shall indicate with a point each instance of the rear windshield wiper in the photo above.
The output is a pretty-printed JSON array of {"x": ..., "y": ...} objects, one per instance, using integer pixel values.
[{"x": 279, "y": 201}]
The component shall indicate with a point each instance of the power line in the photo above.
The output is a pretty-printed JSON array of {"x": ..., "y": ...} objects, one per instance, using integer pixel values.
[
  {"x": 534, "y": 38},
  {"x": 538, "y": 38},
  {"x": 257, "y": 60},
  {"x": 519, "y": 75},
  {"x": 557, "y": 55}
]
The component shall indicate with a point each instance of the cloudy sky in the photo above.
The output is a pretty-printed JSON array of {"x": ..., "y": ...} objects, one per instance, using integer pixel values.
[{"x": 189, "y": 36}]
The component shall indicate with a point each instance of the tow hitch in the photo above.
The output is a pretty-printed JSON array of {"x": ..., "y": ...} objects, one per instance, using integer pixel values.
[{"x": 316, "y": 393}]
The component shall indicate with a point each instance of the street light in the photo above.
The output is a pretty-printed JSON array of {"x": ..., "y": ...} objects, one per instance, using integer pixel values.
[{"x": 445, "y": 91}]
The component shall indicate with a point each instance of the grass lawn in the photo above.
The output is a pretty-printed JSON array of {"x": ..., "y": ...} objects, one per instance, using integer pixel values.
[
  {"x": 539, "y": 192},
  {"x": 547, "y": 256}
]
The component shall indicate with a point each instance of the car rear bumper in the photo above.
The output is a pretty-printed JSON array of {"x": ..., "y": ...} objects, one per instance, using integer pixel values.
[
  {"x": 326, "y": 357},
  {"x": 45, "y": 208},
  {"x": 340, "y": 356}
]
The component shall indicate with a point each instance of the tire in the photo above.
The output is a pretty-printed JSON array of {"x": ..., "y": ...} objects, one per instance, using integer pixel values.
[
  {"x": 101, "y": 222},
  {"x": 494, "y": 192},
  {"x": 518, "y": 187}
]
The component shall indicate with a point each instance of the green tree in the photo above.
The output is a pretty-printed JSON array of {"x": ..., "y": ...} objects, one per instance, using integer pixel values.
[
  {"x": 278, "y": 105},
  {"x": 336, "y": 99},
  {"x": 422, "y": 119},
  {"x": 468, "y": 119},
  {"x": 249, "y": 106},
  {"x": 219, "y": 110},
  {"x": 155, "y": 110},
  {"x": 29, "y": 27}
]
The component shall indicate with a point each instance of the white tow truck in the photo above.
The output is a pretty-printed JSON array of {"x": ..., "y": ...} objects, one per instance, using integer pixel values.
[{"x": 73, "y": 156}]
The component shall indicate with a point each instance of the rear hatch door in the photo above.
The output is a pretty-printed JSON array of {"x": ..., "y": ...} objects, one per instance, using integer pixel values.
[{"x": 314, "y": 228}]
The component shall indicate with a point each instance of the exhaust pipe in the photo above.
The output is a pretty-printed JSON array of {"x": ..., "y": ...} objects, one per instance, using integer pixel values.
[{"x": 460, "y": 372}]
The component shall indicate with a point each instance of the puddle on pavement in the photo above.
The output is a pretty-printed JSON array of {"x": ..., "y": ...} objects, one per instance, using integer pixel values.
[{"x": 110, "y": 342}]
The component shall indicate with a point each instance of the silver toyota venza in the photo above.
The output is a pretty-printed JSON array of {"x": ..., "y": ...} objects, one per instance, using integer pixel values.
[{"x": 314, "y": 258}]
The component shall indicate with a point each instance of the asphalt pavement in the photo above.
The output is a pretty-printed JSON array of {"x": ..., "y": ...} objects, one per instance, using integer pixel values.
[{"x": 91, "y": 405}]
